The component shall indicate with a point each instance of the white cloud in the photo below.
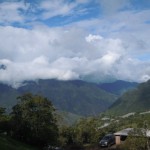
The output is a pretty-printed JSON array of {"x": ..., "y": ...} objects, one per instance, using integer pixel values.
[
  {"x": 65, "y": 54},
  {"x": 112, "y": 6},
  {"x": 109, "y": 59},
  {"x": 92, "y": 38},
  {"x": 95, "y": 49},
  {"x": 29, "y": 11},
  {"x": 55, "y": 8},
  {"x": 10, "y": 12}
]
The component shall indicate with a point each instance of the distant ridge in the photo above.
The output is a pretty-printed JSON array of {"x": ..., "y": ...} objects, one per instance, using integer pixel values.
[
  {"x": 137, "y": 100},
  {"x": 118, "y": 87}
]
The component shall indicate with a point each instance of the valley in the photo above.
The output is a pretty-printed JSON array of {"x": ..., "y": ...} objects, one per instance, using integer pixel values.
[{"x": 83, "y": 123}]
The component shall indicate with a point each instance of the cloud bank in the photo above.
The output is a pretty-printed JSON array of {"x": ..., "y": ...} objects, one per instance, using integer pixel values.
[{"x": 98, "y": 49}]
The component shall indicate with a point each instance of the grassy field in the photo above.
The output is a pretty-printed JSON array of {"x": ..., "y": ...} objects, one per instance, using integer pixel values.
[{"x": 7, "y": 143}]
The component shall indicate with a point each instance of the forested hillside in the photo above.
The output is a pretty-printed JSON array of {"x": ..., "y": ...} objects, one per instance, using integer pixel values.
[
  {"x": 77, "y": 97},
  {"x": 29, "y": 123},
  {"x": 136, "y": 100},
  {"x": 8, "y": 96}
]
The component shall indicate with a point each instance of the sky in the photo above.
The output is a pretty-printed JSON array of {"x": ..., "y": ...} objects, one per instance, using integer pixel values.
[{"x": 91, "y": 40}]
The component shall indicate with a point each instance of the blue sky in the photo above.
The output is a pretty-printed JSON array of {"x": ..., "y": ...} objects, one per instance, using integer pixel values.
[{"x": 94, "y": 40}]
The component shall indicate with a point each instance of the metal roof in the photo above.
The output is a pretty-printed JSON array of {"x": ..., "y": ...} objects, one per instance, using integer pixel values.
[{"x": 124, "y": 132}]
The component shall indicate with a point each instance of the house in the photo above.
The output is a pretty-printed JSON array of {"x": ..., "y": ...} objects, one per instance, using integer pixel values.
[{"x": 122, "y": 135}]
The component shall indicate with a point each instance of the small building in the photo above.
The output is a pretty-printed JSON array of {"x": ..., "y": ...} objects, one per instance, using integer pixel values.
[{"x": 122, "y": 135}]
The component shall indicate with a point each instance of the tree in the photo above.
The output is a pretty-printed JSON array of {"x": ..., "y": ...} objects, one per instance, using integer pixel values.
[
  {"x": 86, "y": 131},
  {"x": 33, "y": 120},
  {"x": 66, "y": 136},
  {"x": 4, "y": 121}
]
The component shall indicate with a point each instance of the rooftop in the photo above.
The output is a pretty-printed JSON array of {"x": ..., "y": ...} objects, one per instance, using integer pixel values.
[{"x": 126, "y": 131}]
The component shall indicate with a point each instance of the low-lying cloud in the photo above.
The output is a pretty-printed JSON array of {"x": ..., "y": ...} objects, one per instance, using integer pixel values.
[
  {"x": 66, "y": 40},
  {"x": 65, "y": 55}
]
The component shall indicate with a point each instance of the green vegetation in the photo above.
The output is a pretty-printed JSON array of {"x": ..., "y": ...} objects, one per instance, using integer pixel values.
[
  {"x": 77, "y": 97},
  {"x": 32, "y": 121},
  {"x": 89, "y": 131},
  {"x": 136, "y": 100},
  {"x": 8, "y": 96},
  {"x": 7, "y": 143},
  {"x": 135, "y": 143},
  {"x": 66, "y": 118}
]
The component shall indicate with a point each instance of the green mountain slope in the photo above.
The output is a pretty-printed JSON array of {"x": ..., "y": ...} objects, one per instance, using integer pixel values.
[
  {"x": 66, "y": 118},
  {"x": 8, "y": 96},
  {"x": 136, "y": 100},
  {"x": 77, "y": 97}
]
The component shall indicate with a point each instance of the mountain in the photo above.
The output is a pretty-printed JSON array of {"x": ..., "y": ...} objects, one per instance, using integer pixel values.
[
  {"x": 136, "y": 100},
  {"x": 77, "y": 97},
  {"x": 8, "y": 96},
  {"x": 118, "y": 87}
]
